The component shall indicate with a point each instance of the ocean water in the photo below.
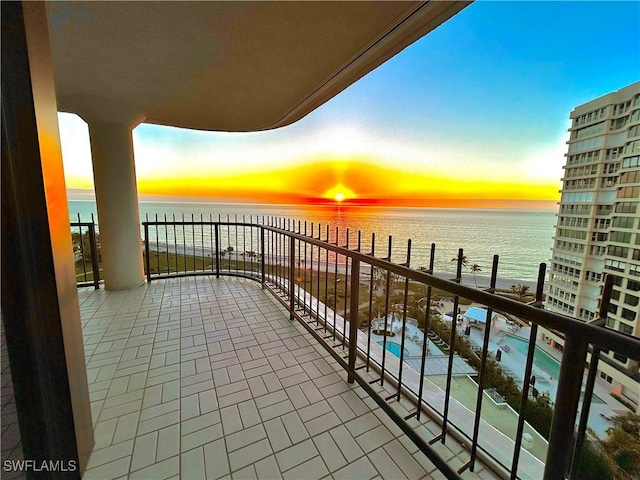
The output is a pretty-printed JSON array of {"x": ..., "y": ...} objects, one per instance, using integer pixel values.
[{"x": 522, "y": 238}]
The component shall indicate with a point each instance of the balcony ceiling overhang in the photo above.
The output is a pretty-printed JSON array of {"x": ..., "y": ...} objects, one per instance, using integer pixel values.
[{"x": 224, "y": 66}]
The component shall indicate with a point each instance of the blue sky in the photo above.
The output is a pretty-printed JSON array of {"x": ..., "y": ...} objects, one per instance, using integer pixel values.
[{"x": 485, "y": 97}]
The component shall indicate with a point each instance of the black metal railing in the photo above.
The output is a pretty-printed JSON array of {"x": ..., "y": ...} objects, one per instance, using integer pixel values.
[
  {"x": 339, "y": 291},
  {"x": 86, "y": 253}
]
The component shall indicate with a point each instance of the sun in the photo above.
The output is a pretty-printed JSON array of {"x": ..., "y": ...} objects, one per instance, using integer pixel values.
[{"x": 339, "y": 193}]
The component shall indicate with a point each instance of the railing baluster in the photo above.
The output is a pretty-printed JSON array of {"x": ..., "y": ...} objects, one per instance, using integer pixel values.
[
  {"x": 346, "y": 290},
  {"x": 82, "y": 253},
  {"x": 211, "y": 244},
  {"x": 217, "y": 247},
  {"x": 202, "y": 240},
  {"x": 527, "y": 376},
  {"x": 326, "y": 282},
  {"x": 483, "y": 365},
  {"x": 371, "y": 294},
  {"x": 244, "y": 246},
  {"x": 311, "y": 247},
  {"x": 386, "y": 314},
  {"x": 404, "y": 326},
  {"x": 304, "y": 271},
  {"x": 166, "y": 244},
  {"x": 335, "y": 288},
  {"x": 447, "y": 396},
  {"x": 262, "y": 255},
  {"x": 353, "y": 320},
  {"x": 184, "y": 246},
  {"x": 157, "y": 244},
  {"x": 193, "y": 241},
  {"x": 229, "y": 247},
  {"x": 425, "y": 337},
  {"x": 292, "y": 294},
  {"x": 146, "y": 252}
]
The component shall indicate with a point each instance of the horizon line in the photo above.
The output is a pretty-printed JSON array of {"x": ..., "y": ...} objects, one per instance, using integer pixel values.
[{"x": 80, "y": 194}]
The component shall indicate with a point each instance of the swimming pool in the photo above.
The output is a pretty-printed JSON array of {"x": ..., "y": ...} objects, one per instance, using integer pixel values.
[
  {"x": 541, "y": 359},
  {"x": 394, "y": 348}
]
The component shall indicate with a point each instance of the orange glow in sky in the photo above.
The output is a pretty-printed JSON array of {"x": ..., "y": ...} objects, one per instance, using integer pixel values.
[
  {"x": 440, "y": 124},
  {"x": 355, "y": 182},
  {"x": 339, "y": 193}
]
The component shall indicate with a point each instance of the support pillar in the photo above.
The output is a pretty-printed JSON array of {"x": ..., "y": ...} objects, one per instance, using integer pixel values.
[
  {"x": 111, "y": 123},
  {"x": 114, "y": 177},
  {"x": 40, "y": 308}
]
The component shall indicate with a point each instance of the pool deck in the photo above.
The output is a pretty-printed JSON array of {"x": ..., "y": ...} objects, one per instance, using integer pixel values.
[
  {"x": 514, "y": 362},
  {"x": 464, "y": 389}
]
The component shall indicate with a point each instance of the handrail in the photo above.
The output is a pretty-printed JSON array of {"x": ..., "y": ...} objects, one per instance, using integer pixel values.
[
  {"x": 93, "y": 251},
  {"x": 280, "y": 249}
]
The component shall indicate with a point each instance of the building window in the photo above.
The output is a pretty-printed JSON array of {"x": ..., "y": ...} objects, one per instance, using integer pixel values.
[
  {"x": 626, "y": 207},
  {"x": 628, "y": 314},
  {"x": 621, "y": 358},
  {"x": 606, "y": 377},
  {"x": 631, "y": 300},
  {"x": 633, "y": 285},
  {"x": 626, "y": 329},
  {"x": 630, "y": 177},
  {"x": 615, "y": 265},
  {"x": 620, "y": 237},
  {"x": 623, "y": 222},
  {"x": 598, "y": 237},
  {"x": 615, "y": 251},
  {"x": 629, "y": 192},
  {"x": 631, "y": 161}
]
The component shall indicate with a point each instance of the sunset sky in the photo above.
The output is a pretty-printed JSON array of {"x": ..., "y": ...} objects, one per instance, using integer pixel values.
[{"x": 474, "y": 114}]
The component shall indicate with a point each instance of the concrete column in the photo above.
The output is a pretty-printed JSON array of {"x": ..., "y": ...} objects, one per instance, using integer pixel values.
[
  {"x": 40, "y": 308},
  {"x": 114, "y": 176}
]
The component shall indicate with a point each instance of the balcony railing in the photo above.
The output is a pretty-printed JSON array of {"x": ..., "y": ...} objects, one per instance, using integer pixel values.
[
  {"x": 349, "y": 299},
  {"x": 86, "y": 254}
]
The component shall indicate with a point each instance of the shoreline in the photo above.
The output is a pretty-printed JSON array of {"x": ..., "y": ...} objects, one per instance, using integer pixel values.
[{"x": 467, "y": 278}]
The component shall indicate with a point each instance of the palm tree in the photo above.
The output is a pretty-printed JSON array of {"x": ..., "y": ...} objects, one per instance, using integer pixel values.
[
  {"x": 395, "y": 310},
  {"x": 520, "y": 290},
  {"x": 475, "y": 268},
  {"x": 465, "y": 262},
  {"x": 380, "y": 280},
  {"x": 377, "y": 305}
]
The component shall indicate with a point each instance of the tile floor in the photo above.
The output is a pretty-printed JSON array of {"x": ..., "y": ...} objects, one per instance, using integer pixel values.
[
  {"x": 11, "y": 442},
  {"x": 208, "y": 378}
]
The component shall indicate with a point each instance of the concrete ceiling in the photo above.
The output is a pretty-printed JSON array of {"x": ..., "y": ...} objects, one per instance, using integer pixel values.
[{"x": 226, "y": 66}]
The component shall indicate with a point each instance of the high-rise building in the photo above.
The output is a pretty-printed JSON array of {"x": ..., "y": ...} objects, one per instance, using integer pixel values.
[{"x": 598, "y": 226}]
